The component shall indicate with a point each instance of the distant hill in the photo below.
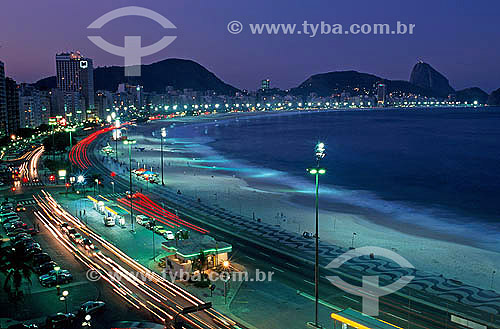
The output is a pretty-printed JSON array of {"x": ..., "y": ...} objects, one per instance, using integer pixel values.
[
  {"x": 46, "y": 83},
  {"x": 494, "y": 98},
  {"x": 326, "y": 84},
  {"x": 425, "y": 76},
  {"x": 472, "y": 94},
  {"x": 179, "y": 73}
]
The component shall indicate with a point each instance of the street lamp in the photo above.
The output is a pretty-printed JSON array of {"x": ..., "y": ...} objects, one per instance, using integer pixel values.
[
  {"x": 316, "y": 171},
  {"x": 130, "y": 142},
  {"x": 163, "y": 135}
]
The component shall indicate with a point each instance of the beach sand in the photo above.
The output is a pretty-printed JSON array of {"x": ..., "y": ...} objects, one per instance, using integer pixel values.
[{"x": 280, "y": 204}]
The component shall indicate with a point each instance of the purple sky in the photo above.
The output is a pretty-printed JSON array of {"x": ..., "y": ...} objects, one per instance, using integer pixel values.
[{"x": 460, "y": 39}]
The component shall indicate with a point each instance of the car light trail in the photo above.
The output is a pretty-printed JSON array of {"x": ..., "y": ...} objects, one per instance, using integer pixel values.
[
  {"x": 155, "y": 294},
  {"x": 148, "y": 207},
  {"x": 78, "y": 154}
]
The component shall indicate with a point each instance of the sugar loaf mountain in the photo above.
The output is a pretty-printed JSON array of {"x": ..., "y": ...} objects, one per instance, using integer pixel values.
[
  {"x": 424, "y": 80},
  {"x": 180, "y": 74}
]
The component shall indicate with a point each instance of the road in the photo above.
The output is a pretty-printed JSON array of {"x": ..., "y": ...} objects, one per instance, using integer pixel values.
[{"x": 134, "y": 283}]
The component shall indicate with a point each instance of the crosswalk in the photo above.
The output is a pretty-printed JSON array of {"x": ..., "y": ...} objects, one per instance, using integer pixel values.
[
  {"x": 31, "y": 184},
  {"x": 26, "y": 202},
  {"x": 113, "y": 195}
]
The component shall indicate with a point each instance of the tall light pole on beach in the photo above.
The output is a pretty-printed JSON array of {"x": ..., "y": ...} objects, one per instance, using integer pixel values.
[
  {"x": 115, "y": 134},
  {"x": 316, "y": 171},
  {"x": 163, "y": 135},
  {"x": 130, "y": 142}
]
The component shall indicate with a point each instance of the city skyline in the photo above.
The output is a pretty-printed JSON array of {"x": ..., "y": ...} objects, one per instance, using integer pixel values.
[{"x": 243, "y": 60}]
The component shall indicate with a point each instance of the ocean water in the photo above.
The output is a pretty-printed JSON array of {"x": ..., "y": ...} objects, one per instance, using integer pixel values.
[{"x": 436, "y": 168}]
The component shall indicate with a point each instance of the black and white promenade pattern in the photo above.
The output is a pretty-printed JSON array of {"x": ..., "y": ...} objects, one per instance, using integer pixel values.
[{"x": 430, "y": 283}]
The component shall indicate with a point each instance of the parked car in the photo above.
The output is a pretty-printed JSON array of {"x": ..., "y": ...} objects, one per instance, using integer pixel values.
[
  {"x": 16, "y": 231},
  {"x": 91, "y": 307},
  {"x": 87, "y": 243},
  {"x": 22, "y": 326},
  {"x": 141, "y": 219},
  {"x": 54, "y": 280},
  {"x": 40, "y": 259},
  {"x": 33, "y": 250},
  {"x": 45, "y": 268},
  {"x": 109, "y": 221},
  {"x": 8, "y": 220},
  {"x": 54, "y": 272},
  {"x": 21, "y": 236},
  {"x": 169, "y": 235},
  {"x": 60, "y": 321},
  {"x": 10, "y": 213},
  {"x": 159, "y": 229}
]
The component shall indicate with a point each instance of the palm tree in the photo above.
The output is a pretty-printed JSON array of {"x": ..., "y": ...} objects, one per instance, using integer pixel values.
[{"x": 17, "y": 268}]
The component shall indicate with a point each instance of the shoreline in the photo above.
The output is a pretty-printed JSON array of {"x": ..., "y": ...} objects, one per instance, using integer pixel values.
[{"x": 269, "y": 200}]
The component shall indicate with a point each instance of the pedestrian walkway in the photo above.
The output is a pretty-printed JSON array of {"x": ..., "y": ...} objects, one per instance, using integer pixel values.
[{"x": 425, "y": 284}]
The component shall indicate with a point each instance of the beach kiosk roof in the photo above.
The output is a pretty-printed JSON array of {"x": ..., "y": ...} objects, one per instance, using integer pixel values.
[
  {"x": 191, "y": 248},
  {"x": 117, "y": 210},
  {"x": 359, "y": 320}
]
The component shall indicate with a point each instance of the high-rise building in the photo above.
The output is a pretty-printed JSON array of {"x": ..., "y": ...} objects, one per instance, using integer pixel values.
[
  {"x": 30, "y": 106},
  {"x": 3, "y": 101},
  {"x": 75, "y": 74},
  {"x": 265, "y": 84},
  {"x": 381, "y": 93},
  {"x": 12, "y": 100},
  {"x": 104, "y": 103}
]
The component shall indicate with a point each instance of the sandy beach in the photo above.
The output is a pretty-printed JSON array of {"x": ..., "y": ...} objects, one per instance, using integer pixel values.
[{"x": 196, "y": 169}]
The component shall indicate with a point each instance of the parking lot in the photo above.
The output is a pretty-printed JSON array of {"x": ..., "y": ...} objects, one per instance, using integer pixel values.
[{"x": 40, "y": 301}]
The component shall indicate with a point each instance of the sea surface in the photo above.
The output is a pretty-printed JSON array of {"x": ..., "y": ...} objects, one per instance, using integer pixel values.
[{"x": 439, "y": 169}]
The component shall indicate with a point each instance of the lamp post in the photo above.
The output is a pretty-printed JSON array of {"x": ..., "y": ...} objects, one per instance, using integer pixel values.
[
  {"x": 70, "y": 130},
  {"x": 152, "y": 225},
  {"x": 52, "y": 123},
  {"x": 115, "y": 132},
  {"x": 163, "y": 135},
  {"x": 316, "y": 171},
  {"x": 130, "y": 142}
]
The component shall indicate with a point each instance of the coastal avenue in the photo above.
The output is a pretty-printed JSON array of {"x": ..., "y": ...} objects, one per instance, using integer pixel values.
[
  {"x": 422, "y": 314},
  {"x": 138, "y": 286}
]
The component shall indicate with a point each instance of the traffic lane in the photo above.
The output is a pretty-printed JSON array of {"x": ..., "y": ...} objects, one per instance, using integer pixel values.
[
  {"x": 393, "y": 308},
  {"x": 45, "y": 301},
  {"x": 126, "y": 283}
]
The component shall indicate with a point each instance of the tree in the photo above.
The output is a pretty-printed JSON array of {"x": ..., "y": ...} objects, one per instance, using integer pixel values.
[
  {"x": 17, "y": 268},
  {"x": 61, "y": 142}
]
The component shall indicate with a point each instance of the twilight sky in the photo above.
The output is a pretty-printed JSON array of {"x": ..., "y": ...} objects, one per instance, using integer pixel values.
[{"x": 459, "y": 39}]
